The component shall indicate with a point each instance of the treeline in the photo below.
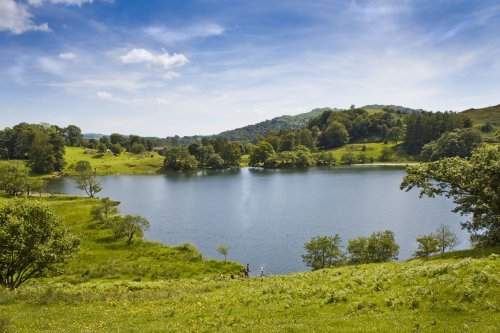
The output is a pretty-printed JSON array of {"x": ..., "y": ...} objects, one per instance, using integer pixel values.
[
  {"x": 209, "y": 154},
  {"x": 426, "y": 127},
  {"x": 41, "y": 145}
]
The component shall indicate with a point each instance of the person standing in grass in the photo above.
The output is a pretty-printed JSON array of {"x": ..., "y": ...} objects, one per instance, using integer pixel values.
[
  {"x": 261, "y": 270},
  {"x": 247, "y": 271}
]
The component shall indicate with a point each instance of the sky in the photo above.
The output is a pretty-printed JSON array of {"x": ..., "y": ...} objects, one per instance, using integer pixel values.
[{"x": 186, "y": 67}]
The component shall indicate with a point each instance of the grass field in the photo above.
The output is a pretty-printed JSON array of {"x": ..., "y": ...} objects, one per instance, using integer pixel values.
[
  {"x": 125, "y": 163},
  {"x": 373, "y": 151},
  {"x": 432, "y": 296}
]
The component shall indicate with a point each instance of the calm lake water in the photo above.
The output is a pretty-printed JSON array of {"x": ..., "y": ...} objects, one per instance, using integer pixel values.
[{"x": 266, "y": 216}]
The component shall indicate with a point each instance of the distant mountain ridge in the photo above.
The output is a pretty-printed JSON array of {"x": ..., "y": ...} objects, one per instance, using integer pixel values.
[{"x": 286, "y": 122}]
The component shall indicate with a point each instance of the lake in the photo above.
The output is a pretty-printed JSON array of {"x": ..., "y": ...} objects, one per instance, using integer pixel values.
[{"x": 266, "y": 216}]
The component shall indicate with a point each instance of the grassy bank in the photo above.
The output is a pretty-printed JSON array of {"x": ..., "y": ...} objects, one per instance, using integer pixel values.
[
  {"x": 102, "y": 258},
  {"x": 125, "y": 163},
  {"x": 433, "y": 296}
]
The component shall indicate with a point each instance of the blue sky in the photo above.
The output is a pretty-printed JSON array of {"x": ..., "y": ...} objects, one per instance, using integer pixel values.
[{"x": 159, "y": 68}]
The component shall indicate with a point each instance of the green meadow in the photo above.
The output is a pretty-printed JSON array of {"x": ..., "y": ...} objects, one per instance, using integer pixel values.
[{"x": 126, "y": 163}]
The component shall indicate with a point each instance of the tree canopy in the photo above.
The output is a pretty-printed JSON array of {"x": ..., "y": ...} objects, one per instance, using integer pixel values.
[
  {"x": 473, "y": 184},
  {"x": 32, "y": 241},
  {"x": 323, "y": 252}
]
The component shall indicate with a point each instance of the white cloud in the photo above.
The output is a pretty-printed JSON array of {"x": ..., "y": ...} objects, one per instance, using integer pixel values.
[
  {"x": 67, "y": 56},
  {"x": 16, "y": 18},
  {"x": 104, "y": 95},
  {"x": 199, "y": 30},
  {"x": 162, "y": 61},
  {"x": 57, "y": 2}
]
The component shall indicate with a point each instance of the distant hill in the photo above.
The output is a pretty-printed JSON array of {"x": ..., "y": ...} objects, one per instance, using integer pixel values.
[
  {"x": 250, "y": 132},
  {"x": 397, "y": 108},
  {"x": 482, "y": 116}
]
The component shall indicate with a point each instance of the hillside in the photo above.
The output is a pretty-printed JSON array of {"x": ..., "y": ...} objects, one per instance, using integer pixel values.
[
  {"x": 250, "y": 132},
  {"x": 480, "y": 117}
]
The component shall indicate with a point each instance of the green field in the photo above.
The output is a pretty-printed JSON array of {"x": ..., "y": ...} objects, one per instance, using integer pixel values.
[
  {"x": 373, "y": 151},
  {"x": 125, "y": 163}
]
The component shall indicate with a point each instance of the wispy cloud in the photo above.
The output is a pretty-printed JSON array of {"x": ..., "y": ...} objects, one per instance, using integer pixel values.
[
  {"x": 67, "y": 55},
  {"x": 198, "y": 30},
  {"x": 16, "y": 18},
  {"x": 65, "y": 2}
]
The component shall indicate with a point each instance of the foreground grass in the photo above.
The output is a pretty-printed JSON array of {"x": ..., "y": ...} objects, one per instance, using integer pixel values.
[
  {"x": 417, "y": 296},
  {"x": 125, "y": 163}
]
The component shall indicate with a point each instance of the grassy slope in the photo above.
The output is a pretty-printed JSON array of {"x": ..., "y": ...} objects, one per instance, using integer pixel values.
[
  {"x": 373, "y": 151},
  {"x": 417, "y": 296},
  {"x": 125, "y": 163},
  {"x": 481, "y": 116}
]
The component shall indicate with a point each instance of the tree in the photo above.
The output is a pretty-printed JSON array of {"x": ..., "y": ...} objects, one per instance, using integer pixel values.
[
  {"x": 323, "y": 251},
  {"x": 386, "y": 154},
  {"x": 231, "y": 154},
  {"x": 101, "y": 148},
  {"x": 445, "y": 238},
  {"x": 13, "y": 179},
  {"x": 224, "y": 250},
  {"x": 86, "y": 178},
  {"x": 379, "y": 247},
  {"x": 260, "y": 153},
  {"x": 179, "y": 159},
  {"x": 427, "y": 245},
  {"x": 32, "y": 241},
  {"x": 104, "y": 210},
  {"x": 137, "y": 148},
  {"x": 473, "y": 184},
  {"x": 73, "y": 136},
  {"x": 116, "y": 148},
  {"x": 335, "y": 135},
  {"x": 129, "y": 226},
  {"x": 459, "y": 143}
]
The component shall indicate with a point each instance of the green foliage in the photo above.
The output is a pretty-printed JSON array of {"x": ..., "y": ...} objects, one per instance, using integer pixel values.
[
  {"x": 13, "y": 179},
  {"x": 179, "y": 159},
  {"x": 86, "y": 178},
  {"x": 335, "y": 135},
  {"x": 300, "y": 158},
  {"x": 129, "y": 226},
  {"x": 348, "y": 158},
  {"x": 260, "y": 153},
  {"x": 116, "y": 149},
  {"x": 323, "y": 252},
  {"x": 427, "y": 245},
  {"x": 473, "y": 184},
  {"x": 32, "y": 241},
  {"x": 137, "y": 148},
  {"x": 459, "y": 143},
  {"x": 379, "y": 247},
  {"x": 224, "y": 250},
  {"x": 231, "y": 154},
  {"x": 325, "y": 159},
  {"x": 104, "y": 210},
  {"x": 386, "y": 154},
  {"x": 428, "y": 126}
]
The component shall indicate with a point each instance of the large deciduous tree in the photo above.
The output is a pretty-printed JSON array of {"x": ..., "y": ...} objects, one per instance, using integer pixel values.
[
  {"x": 473, "y": 184},
  {"x": 323, "y": 252},
  {"x": 32, "y": 241},
  {"x": 86, "y": 178},
  {"x": 260, "y": 153}
]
